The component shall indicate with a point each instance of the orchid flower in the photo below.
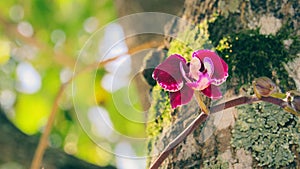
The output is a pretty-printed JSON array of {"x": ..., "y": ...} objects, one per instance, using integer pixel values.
[{"x": 205, "y": 72}]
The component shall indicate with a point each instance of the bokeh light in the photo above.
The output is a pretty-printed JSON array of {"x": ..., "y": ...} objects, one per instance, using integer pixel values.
[{"x": 29, "y": 80}]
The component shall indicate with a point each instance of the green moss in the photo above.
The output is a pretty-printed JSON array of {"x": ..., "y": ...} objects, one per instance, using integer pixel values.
[
  {"x": 268, "y": 133},
  {"x": 251, "y": 55},
  {"x": 191, "y": 39},
  {"x": 160, "y": 110},
  {"x": 215, "y": 163},
  {"x": 223, "y": 27}
]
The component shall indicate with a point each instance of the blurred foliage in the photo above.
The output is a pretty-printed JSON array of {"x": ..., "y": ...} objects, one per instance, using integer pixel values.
[
  {"x": 4, "y": 51},
  {"x": 269, "y": 133},
  {"x": 47, "y": 36},
  {"x": 117, "y": 109}
]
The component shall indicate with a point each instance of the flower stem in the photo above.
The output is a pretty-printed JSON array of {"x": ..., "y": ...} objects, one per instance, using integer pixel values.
[
  {"x": 200, "y": 119},
  {"x": 199, "y": 99},
  {"x": 203, "y": 116}
]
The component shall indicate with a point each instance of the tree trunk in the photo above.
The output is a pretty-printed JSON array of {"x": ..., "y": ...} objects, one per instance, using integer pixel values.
[
  {"x": 17, "y": 150},
  {"x": 131, "y": 26},
  {"x": 211, "y": 145}
]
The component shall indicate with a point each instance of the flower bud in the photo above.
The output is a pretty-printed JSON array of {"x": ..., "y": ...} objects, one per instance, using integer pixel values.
[
  {"x": 263, "y": 86},
  {"x": 293, "y": 99},
  {"x": 296, "y": 103}
]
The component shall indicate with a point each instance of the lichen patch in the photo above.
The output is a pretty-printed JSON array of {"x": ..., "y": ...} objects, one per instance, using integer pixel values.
[{"x": 269, "y": 25}]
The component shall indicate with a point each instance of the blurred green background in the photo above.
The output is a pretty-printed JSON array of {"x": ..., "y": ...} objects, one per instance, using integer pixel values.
[{"x": 40, "y": 41}]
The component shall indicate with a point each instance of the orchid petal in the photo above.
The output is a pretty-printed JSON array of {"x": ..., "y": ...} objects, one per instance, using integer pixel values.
[
  {"x": 181, "y": 97},
  {"x": 183, "y": 73},
  {"x": 220, "y": 72},
  {"x": 212, "y": 92},
  {"x": 209, "y": 66},
  {"x": 218, "y": 82},
  {"x": 168, "y": 74}
]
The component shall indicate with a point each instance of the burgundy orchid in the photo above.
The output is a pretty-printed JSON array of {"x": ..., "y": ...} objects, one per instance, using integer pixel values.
[{"x": 205, "y": 72}]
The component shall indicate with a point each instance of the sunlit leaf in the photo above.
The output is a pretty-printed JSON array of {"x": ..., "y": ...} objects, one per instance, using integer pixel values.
[
  {"x": 31, "y": 112},
  {"x": 87, "y": 150},
  {"x": 4, "y": 51}
]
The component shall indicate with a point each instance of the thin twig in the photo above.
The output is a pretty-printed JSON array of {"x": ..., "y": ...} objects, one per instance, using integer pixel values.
[
  {"x": 43, "y": 143},
  {"x": 203, "y": 116},
  {"x": 246, "y": 100}
]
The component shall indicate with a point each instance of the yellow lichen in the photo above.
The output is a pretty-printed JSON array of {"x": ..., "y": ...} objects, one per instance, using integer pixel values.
[{"x": 191, "y": 39}]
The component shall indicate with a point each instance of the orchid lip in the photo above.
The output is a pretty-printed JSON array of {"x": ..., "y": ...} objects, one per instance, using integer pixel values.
[
  {"x": 199, "y": 80},
  {"x": 195, "y": 66},
  {"x": 203, "y": 82}
]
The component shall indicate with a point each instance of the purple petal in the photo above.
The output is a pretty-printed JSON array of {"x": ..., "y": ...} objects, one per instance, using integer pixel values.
[
  {"x": 212, "y": 92},
  {"x": 220, "y": 67},
  {"x": 168, "y": 74},
  {"x": 181, "y": 97},
  {"x": 209, "y": 66}
]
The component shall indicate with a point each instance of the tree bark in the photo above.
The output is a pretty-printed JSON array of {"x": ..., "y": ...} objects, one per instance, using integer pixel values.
[
  {"x": 210, "y": 145},
  {"x": 18, "y": 149}
]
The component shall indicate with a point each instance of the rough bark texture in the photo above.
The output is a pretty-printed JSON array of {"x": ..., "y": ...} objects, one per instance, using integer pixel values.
[
  {"x": 17, "y": 150},
  {"x": 210, "y": 146}
]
